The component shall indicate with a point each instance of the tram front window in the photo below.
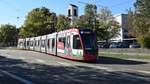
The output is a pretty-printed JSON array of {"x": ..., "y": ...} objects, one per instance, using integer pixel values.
[
  {"x": 76, "y": 42},
  {"x": 89, "y": 41}
]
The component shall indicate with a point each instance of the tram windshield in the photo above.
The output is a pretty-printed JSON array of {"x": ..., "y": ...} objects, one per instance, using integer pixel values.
[{"x": 89, "y": 40}]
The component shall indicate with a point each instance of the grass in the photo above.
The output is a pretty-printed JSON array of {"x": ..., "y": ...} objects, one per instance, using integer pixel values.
[{"x": 124, "y": 56}]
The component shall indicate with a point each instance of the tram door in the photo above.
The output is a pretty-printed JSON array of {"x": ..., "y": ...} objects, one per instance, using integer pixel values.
[
  {"x": 53, "y": 47},
  {"x": 68, "y": 46}
]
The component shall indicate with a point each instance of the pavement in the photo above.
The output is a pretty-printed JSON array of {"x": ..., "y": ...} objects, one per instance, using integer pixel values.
[{"x": 29, "y": 67}]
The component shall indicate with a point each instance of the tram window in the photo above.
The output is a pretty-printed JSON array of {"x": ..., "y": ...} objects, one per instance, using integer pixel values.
[
  {"x": 31, "y": 43},
  {"x": 64, "y": 41},
  {"x": 69, "y": 14},
  {"x": 38, "y": 42},
  {"x": 24, "y": 44},
  {"x": 60, "y": 39},
  {"x": 43, "y": 43},
  {"x": 48, "y": 43},
  {"x": 35, "y": 43},
  {"x": 75, "y": 12},
  {"x": 68, "y": 42},
  {"x": 27, "y": 43},
  {"x": 76, "y": 42},
  {"x": 53, "y": 43}
]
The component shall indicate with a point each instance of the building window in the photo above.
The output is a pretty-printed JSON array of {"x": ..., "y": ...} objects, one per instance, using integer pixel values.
[
  {"x": 75, "y": 12},
  {"x": 69, "y": 13}
]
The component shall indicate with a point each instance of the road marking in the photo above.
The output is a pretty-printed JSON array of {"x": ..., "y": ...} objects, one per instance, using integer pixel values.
[
  {"x": 147, "y": 72},
  {"x": 22, "y": 58},
  {"x": 140, "y": 71},
  {"x": 39, "y": 60},
  {"x": 16, "y": 77},
  {"x": 104, "y": 68},
  {"x": 63, "y": 63}
]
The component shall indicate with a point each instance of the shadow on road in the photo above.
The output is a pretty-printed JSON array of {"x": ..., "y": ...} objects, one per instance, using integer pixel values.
[
  {"x": 111, "y": 60},
  {"x": 52, "y": 74}
]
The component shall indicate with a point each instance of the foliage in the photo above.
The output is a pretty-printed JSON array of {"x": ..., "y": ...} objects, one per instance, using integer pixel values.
[
  {"x": 83, "y": 22},
  {"x": 39, "y": 21},
  {"x": 8, "y": 33},
  {"x": 143, "y": 8},
  {"x": 62, "y": 22},
  {"x": 136, "y": 24},
  {"x": 108, "y": 27},
  {"x": 139, "y": 22},
  {"x": 144, "y": 40},
  {"x": 88, "y": 20},
  {"x": 108, "y": 30},
  {"x": 105, "y": 15}
]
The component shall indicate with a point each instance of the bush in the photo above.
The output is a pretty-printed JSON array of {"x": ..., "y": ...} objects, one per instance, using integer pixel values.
[{"x": 144, "y": 41}]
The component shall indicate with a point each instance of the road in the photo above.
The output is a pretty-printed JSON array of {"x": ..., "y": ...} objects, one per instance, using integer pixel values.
[{"x": 29, "y": 67}]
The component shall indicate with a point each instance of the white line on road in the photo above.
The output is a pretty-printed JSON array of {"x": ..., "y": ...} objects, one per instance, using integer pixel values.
[
  {"x": 147, "y": 72},
  {"x": 39, "y": 60},
  {"x": 140, "y": 71},
  {"x": 63, "y": 63},
  {"x": 16, "y": 77},
  {"x": 22, "y": 58}
]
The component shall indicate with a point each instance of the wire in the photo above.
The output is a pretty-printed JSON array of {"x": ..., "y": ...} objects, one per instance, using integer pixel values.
[{"x": 120, "y": 4}]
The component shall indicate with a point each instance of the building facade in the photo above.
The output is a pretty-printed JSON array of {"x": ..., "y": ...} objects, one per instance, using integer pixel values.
[
  {"x": 72, "y": 14},
  {"x": 123, "y": 32}
]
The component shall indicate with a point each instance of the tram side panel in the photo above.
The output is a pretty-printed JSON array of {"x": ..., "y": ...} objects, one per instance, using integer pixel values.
[{"x": 69, "y": 46}]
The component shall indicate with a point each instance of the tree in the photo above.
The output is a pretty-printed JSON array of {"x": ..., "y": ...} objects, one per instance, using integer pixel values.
[
  {"x": 8, "y": 34},
  {"x": 62, "y": 22},
  {"x": 108, "y": 27},
  {"x": 142, "y": 7},
  {"x": 139, "y": 22},
  {"x": 82, "y": 22},
  {"x": 88, "y": 20},
  {"x": 105, "y": 15},
  {"x": 39, "y": 21}
]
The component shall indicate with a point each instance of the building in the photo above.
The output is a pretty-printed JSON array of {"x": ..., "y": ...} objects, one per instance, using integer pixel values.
[
  {"x": 72, "y": 13},
  {"x": 123, "y": 32}
]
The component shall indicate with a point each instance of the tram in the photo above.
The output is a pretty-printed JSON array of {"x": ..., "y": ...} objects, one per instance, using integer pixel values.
[{"x": 75, "y": 44}]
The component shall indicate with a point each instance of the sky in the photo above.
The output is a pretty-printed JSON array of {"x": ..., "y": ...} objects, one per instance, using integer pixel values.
[{"x": 15, "y": 11}]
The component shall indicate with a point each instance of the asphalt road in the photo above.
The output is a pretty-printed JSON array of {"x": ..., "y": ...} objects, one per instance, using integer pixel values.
[{"x": 29, "y": 67}]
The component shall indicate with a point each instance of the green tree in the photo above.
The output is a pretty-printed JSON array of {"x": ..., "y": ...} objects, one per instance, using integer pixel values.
[
  {"x": 88, "y": 20},
  {"x": 108, "y": 27},
  {"x": 8, "y": 34},
  {"x": 62, "y": 22},
  {"x": 83, "y": 23},
  {"x": 39, "y": 21},
  {"x": 142, "y": 7},
  {"x": 139, "y": 22}
]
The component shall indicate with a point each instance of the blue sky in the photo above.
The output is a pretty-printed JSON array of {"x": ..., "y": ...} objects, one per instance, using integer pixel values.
[{"x": 11, "y": 9}]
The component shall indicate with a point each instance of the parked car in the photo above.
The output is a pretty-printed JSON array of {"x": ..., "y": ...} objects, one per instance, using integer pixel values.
[
  {"x": 123, "y": 45},
  {"x": 113, "y": 45},
  {"x": 103, "y": 45},
  {"x": 134, "y": 45}
]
